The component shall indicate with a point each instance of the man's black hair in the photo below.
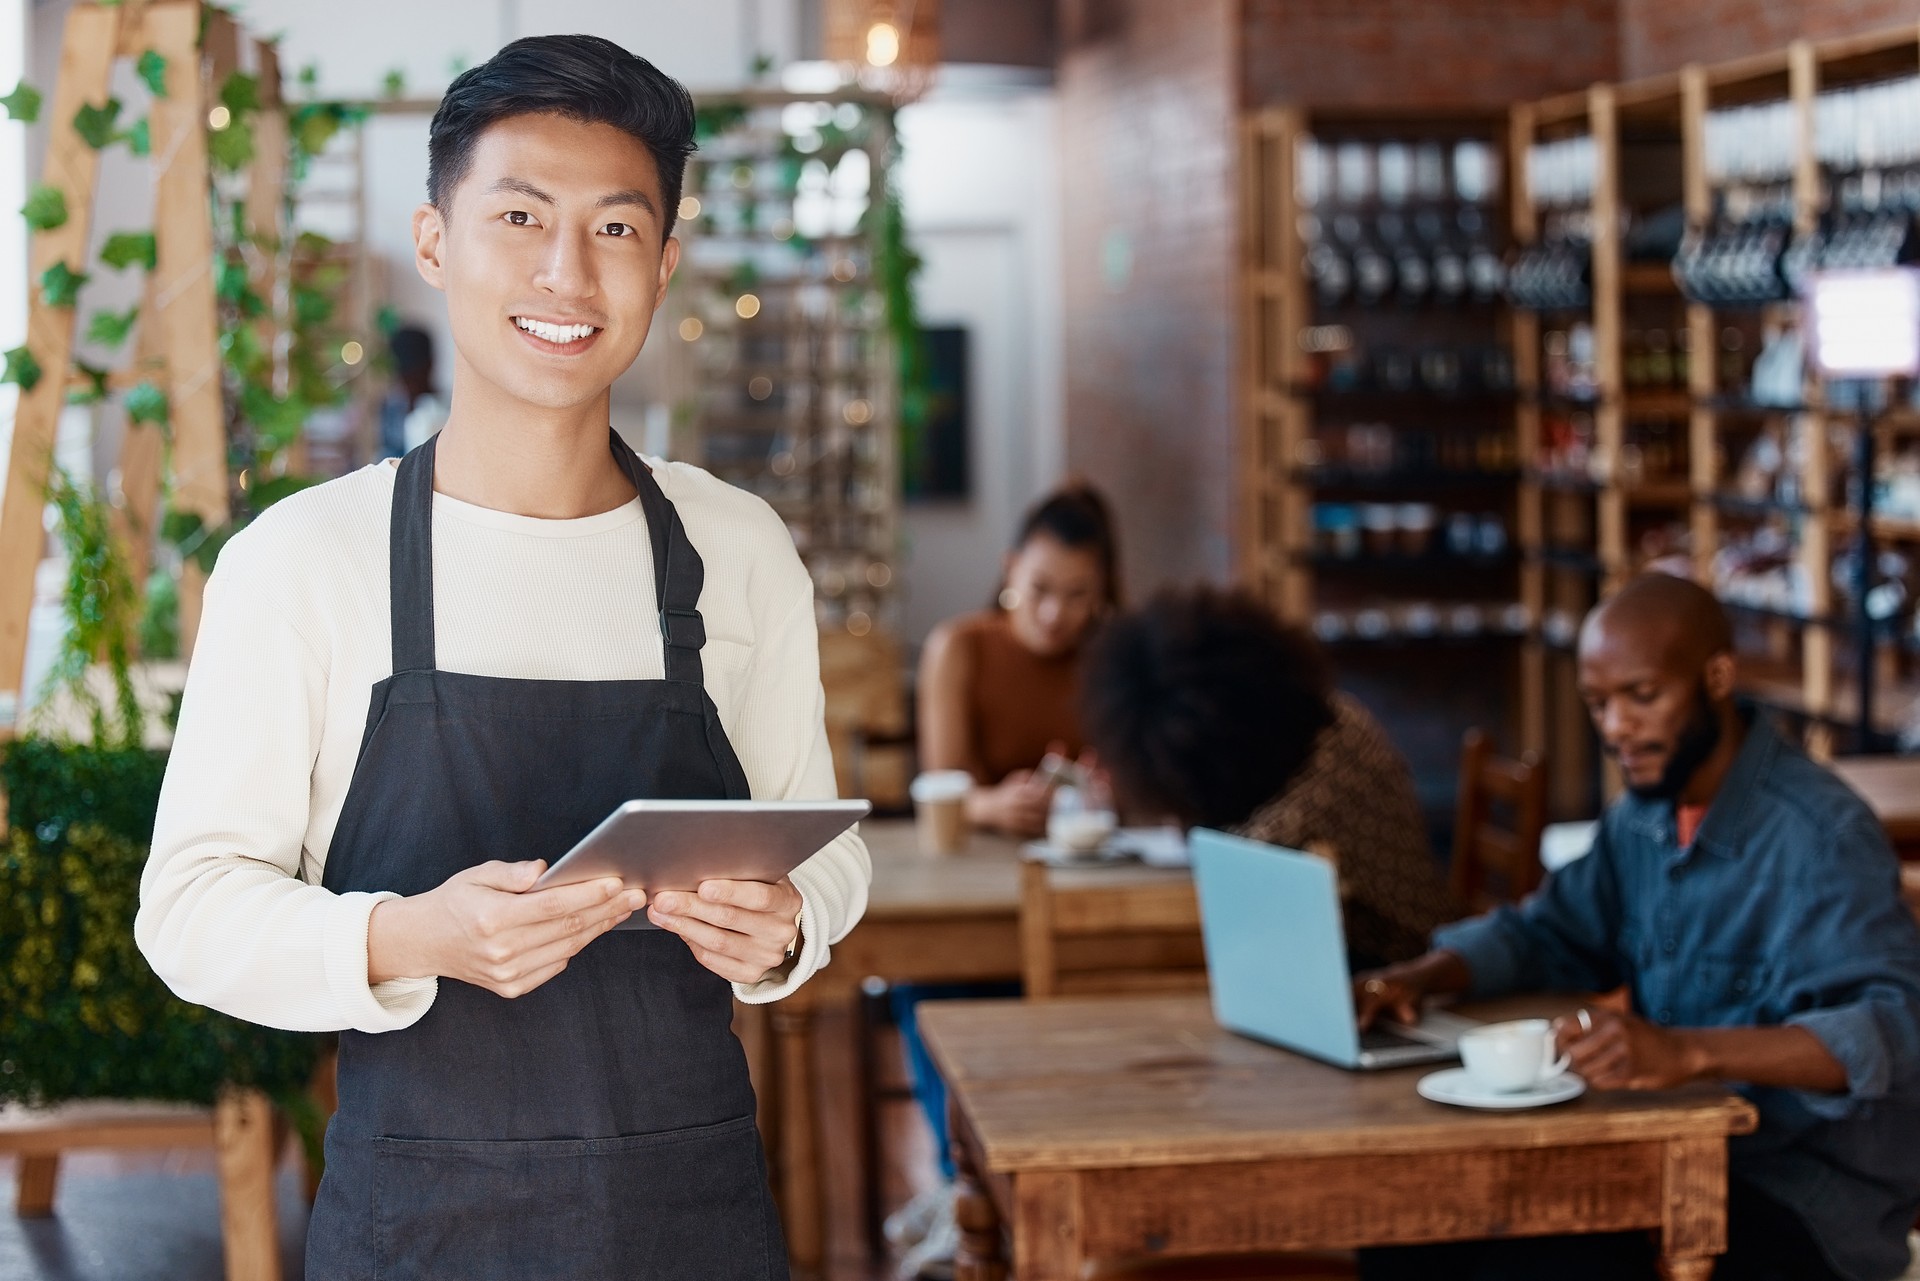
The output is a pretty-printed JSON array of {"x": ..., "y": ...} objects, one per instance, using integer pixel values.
[
  {"x": 1203, "y": 704},
  {"x": 582, "y": 78}
]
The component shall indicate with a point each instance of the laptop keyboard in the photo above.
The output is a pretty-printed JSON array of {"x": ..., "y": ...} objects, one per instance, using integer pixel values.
[{"x": 1378, "y": 1038}]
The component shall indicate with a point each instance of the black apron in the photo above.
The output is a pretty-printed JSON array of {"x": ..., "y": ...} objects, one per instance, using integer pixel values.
[{"x": 602, "y": 1125}]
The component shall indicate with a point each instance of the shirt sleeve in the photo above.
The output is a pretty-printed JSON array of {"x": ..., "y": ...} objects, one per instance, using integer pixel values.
[
  {"x": 224, "y": 918},
  {"x": 1853, "y": 976},
  {"x": 783, "y": 749},
  {"x": 1562, "y": 938}
]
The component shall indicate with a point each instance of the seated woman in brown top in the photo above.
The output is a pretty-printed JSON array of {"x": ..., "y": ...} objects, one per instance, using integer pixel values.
[
  {"x": 1206, "y": 709},
  {"x": 1000, "y": 689}
]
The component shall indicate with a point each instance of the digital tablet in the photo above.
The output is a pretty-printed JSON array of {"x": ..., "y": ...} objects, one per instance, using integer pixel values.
[{"x": 675, "y": 845}]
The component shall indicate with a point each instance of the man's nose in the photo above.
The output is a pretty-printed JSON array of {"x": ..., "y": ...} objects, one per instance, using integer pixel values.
[{"x": 566, "y": 268}]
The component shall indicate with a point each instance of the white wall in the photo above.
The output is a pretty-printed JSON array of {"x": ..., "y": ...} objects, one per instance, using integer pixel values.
[{"x": 979, "y": 180}]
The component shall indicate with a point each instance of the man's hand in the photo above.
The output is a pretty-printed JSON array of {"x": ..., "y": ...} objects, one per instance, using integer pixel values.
[
  {"x": 738, "y": 929},
  {"x": 1615, "y": 1051},
  {"x": 1397, "y": 991},
  {"x": 488, "y": 927}
]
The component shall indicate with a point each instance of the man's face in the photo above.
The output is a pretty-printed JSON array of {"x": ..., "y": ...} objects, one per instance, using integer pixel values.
[
  {"x": 1658, "y": 721},
  {"x": 552, "y": 258}
]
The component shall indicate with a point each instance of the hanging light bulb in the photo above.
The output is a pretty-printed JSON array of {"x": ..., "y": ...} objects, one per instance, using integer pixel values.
[{"x": 883, "y": 44}]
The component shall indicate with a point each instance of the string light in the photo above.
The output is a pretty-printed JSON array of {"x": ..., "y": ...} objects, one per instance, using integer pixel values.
[
  {"x": 219, "y": 118},
  {"x": 352, "y": 353},
  {"x": 746, "y": 306},
  {"x": 760, "y": 388},
  {"x": 689, "y": 208},
  {"x": 843, "y": 270},
  {"x": 859, "y": 623},
  {"x": 879, "y": 574},
  {"x": 691, "y": 328},
  {"x": 857, "y": 412},
  {"x": 883, "y": 44}
]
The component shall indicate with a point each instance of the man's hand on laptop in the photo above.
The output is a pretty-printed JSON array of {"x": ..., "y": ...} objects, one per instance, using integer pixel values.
[{"x": 1396, "y": 992}]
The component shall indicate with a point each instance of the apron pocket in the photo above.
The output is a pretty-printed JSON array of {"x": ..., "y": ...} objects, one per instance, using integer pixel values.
[{"x": 680, "y": 1205}]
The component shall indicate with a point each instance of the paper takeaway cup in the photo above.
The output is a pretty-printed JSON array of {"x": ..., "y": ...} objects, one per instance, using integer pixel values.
[{"x": 940, "y": 810}]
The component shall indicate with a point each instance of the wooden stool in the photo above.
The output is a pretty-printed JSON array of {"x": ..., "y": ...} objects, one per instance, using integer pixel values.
[{"x": 241, "y": 1129}]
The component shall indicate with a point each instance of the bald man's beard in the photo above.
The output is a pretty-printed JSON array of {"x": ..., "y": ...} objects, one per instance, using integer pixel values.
[{"x": 1698, "y": 737}]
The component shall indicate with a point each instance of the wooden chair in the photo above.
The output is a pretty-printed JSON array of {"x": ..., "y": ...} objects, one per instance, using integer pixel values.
[
  {"x": 1103, "y": 931},
  {"x": 241, "y": 1129},
  {"x": 1494, "y": 864},
  {"x": 867, "y": 715}
]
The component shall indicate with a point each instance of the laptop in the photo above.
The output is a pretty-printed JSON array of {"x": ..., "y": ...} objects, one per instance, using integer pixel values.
[{"x": 1277, "y": 959}]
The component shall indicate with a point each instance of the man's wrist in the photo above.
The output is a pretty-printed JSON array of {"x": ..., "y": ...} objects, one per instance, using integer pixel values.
[
  {"x": 392, "y": 942},
  {"x": 1698, "y": 1062}
]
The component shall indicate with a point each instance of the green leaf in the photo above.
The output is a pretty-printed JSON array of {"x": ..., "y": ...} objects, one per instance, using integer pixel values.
[
  {"x": 147, "y": 403},
  {"x": 314, "y": 127},
  {"x": 277, "y": 419},
  {"x": 183, "y": 529},
  {"x": 310, "y": 75},
  {"x": 458, "y": 65},
  {"x": 230, "y": 281},
  {"x": 394, "y": 84},
  {"x": 267, "y": 493},
  {"x": 46, "y": 207},
  {"x": 95, "y": 124},
  {"x": 21, "y": 368},
  {"x": 240, "y": 94},
  {"x": 139, "y": 138},
  {"x": 96, "y": 389},
  {"x": 23, "y": 104},
  {"x": 310, "y": 306},
  {"x": 125, "y": 248},
  {"x": 152, "y": 68},
  {"x": 60, "y": 285},
  {"x": 231, "y": 148},
  {"x": 110, "y": 328},
  {"x": 387, "y": 319}
]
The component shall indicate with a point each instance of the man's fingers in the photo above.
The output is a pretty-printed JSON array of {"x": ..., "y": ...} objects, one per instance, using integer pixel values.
[
  {"x": 755, "y": 954},
  {"x": 514, "y": 878},
  {"x": 754, "y": 896}
]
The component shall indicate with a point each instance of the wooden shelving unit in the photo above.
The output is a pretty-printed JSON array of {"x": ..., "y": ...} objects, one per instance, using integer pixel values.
[
  {"x": 787, "y": 376},
  {"x": 1391, "y": 407},
  {"x": 1586, "y": 532}
]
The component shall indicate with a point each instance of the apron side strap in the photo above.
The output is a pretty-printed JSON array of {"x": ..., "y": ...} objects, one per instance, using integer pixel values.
[
  {"x": 410, "y": 560},
  {"x": 678, "y": 572}
]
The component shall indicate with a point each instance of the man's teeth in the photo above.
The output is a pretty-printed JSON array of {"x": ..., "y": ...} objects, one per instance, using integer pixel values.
[{"x": 554, "y": 333}]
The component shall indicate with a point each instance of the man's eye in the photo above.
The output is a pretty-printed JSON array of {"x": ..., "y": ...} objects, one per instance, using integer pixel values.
[
  {"x": 619, "y": 229},
  {"x": 520, "y": 218}
]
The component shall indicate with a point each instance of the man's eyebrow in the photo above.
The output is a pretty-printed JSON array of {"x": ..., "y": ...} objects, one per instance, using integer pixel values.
[
  {"x": 631, "y": 196},
  {"x": 523, "y": 187}
]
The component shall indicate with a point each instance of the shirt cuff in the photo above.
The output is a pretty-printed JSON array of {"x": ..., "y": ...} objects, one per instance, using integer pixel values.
[
  {"x": 385, "y": 1007},
  {"x": 1851, "y": 1034},
  {"x": 811, "y": 959},
  {"x": 1492, "y": 967}
]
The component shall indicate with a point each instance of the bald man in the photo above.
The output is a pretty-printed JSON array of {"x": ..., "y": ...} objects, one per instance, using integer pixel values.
[{"x": 1749, "y": 903}]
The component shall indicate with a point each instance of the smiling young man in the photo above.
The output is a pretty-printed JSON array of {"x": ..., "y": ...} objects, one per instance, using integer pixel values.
[
  {"x": 417, "y": 684},
  {"x": 1750, "y": 904}
]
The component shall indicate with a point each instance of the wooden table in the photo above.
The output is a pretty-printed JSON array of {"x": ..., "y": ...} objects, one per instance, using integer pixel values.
[
  {"x": 929, "y": 920},
  {"x": 1890, "y": 785},
  {"x": 1134, "y": 1127},
  {"x": 952, "y": 919}
]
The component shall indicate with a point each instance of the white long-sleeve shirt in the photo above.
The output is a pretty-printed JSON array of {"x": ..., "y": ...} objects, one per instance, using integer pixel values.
[{"x": 296, "y": 632}]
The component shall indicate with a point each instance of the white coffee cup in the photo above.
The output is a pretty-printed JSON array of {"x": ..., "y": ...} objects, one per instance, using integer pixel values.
[
  {"x": 940, "y": 809},
  {"x": 1509, "y": 1057}
]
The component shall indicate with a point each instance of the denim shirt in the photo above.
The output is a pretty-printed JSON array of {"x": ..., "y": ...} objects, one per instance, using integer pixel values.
[{"x": 1786, "y": 909}]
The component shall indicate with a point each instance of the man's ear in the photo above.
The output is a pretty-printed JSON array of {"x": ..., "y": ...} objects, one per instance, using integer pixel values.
[
  {"x": 429, "y": 235},
  {"x": 669, "y": 260},
  {"x": 1719, "y": 676}
]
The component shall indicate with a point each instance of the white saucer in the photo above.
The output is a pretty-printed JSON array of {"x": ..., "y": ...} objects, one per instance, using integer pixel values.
[{"x": 1453, "y": 1085}]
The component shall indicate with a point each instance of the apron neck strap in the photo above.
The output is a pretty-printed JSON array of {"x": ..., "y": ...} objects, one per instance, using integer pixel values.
[{"x": 678, "y": 573}]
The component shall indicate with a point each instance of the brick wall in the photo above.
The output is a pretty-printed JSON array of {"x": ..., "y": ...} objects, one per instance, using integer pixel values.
[
  {"x": 1661, "y": 35},
  {"x": 1147, "y": 106},
  {"x": 1429, "y": 53}
]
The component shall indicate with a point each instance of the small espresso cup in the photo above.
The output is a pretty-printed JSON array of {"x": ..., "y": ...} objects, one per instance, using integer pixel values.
[
  {"x": 1506, "y": 1058},
  {"x": 940, "y": 810}
]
